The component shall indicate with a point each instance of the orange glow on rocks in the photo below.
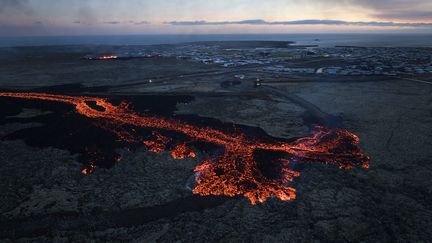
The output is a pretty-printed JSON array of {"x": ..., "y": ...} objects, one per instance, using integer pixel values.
[
  {"x": 182, "y": 152},
  {"x": 90, "y": 168},
  {"x": 157, "y": 145},
  {"x": 236, "y": 171}
]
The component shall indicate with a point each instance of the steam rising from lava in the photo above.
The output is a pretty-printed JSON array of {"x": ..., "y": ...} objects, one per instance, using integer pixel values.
[{"x": 236, "y": 171}]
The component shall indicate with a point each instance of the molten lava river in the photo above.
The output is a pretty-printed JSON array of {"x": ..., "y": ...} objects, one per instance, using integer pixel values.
[{"x": 236, "y": 169}]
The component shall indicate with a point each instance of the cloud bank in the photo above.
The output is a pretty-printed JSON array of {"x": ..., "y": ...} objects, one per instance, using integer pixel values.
[
  {"x": 300, "y": 22},
  {"x": 405, "y": 15},
  {"x": 396, "y": 9}
]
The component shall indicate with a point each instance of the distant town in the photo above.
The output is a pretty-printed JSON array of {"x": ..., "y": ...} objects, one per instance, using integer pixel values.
[{"x": 297, "y": 59}]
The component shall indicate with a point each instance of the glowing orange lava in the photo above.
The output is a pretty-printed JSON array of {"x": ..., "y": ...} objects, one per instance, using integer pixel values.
[
  {"x": 157, "y": 145},
  {"x": 182, "y": 151},
  {"x": 90, "y": 168},
  {"x": 106, "y": 57},
  {"x": 236, "y": 171}
]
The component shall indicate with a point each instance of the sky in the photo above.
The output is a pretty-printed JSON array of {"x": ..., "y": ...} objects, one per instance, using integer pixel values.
[{"x": 112, "y": 17}]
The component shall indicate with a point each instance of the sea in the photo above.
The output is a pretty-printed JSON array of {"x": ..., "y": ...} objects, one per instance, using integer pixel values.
[{"x": 322, "y": 40}]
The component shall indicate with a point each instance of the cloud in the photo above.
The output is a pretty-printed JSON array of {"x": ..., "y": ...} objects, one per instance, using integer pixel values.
[
  {"x": 86, "y": 14},
  {"x": 202, "y": 22},
  {"x": 396, "y": 9},
  {"x": 20, "y": 6},
  {"x": 299, "y": 22},
  {"x": 142, "y": 22},
  {"x": 386, "y": 5},
  {"x": 130, "y": 22},
  {"x": 112, "y": 22},
  {"x": 80, "y": 22},
  {"x": 405, "y": 15},
  {"x": 139, "y": 22}
]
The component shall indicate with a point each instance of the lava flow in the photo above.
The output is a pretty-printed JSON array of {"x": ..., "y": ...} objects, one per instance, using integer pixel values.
[
  {"x": 237, "y": 169},
  {"x": 106, "y": 57}
]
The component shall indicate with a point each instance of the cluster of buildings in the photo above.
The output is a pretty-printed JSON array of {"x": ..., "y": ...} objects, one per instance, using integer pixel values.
[
  {"x": 342, "y": 60},
  {"x": 223, "y": 57},
  {"x": 349, "y": 60},
  {"x": 234, "y": 57},
  {"x": 281, "y": 69},
  {"x": 378, "y": 61}
]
